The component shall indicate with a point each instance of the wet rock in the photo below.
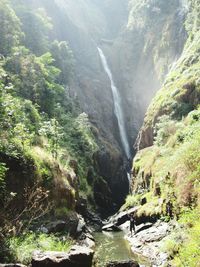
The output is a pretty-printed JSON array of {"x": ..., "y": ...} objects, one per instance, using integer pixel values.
[
  {"x": 77, "y": 257},
  {"x": 110, "y": 166},
  {"x": 93, "y": 221},
  {"x": 102, "y": 194},
  {"x": 122, "y": 264},
  {"x": 111, "y": 227},
  {"x": 87, "y": 240}
]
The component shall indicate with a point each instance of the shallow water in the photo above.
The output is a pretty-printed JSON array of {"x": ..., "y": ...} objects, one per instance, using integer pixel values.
[{"x": 111, "y": 246}]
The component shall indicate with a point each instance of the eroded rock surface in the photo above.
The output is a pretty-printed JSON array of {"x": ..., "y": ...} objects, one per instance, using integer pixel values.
[
  {"x": 78, "y": 256},
  {"x": 147, "y": 241}
]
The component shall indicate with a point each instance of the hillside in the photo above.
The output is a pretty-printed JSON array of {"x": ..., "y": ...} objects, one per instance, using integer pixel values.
[
  {"x": 166, "y": 167},
  {"x": 47, "y": 143}
]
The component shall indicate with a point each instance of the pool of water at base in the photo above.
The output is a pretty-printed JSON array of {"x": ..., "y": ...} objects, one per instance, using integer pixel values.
[{"x": 111, "y": 246}]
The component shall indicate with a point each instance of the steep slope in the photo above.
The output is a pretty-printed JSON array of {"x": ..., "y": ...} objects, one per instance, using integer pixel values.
[
  {"x": 43, "y": 175},
  {"x": 134, "y": 51},
  {"x": 143, "y": 53},
  {"x": 89, "y": 83},
  {"x": 166, "y": 168}
]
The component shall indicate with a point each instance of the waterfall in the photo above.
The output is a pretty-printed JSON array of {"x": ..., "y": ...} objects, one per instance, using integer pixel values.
[{"x": 117, "y": 106}]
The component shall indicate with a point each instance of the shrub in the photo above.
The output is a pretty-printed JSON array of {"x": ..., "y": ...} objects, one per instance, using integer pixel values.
[
  {"x": 164, "y": 129},
  {"x": 189, "y": 253}
]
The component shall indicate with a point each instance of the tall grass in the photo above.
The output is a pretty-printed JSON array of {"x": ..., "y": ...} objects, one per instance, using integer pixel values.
[{"x": 22, "y": 247}]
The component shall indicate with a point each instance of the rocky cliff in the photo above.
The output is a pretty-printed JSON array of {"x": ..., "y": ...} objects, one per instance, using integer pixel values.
[
  {"x": 143, "y": 53},
  {"x": 140, "y": 41},
  {"x": 166, "y": 167}
]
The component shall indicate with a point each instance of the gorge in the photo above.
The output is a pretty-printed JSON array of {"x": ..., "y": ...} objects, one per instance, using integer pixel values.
[{"x": 99, "y": 104}]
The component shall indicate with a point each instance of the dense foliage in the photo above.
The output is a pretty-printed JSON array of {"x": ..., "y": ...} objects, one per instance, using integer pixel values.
[{"x": 46, "y": 142}]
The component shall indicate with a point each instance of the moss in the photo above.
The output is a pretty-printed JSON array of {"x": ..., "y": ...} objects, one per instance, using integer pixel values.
[{"x": 61, "y": 212}]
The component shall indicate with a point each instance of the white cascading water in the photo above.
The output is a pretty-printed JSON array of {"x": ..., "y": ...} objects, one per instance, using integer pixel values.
[
  {"x": 129, "y": 182},
  {"x": 117, "y": 106}
]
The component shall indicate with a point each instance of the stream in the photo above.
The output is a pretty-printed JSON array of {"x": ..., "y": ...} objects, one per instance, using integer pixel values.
[{"x": 111, "y": 246}]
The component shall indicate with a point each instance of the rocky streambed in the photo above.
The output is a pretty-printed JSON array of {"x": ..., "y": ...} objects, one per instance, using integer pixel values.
[
  {"x": 146, "y": 243},
  {"x": 108, "y": 243}
]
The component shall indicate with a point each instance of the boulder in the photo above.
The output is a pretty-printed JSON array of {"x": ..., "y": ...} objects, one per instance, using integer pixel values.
[
  {"x": 81, "y": 206},
  {"x": 93, "y": 221},
  {"x": 118, "y": 219},
  {"x": 86, "y": 239},
  {"x": 81, "y": 256},
  {"x": 122, "y": 264},
  {"x": 148, "y": 240},
  {"x": 122, "y": 217},
  {"x": 111, "y": 227},
  {"x": 78, "y": 256},
  {"x": 81, "y": 225},
  {"x": 56, "y": 227},
  {"x": 88, "y": 242},
  {"x": 73, "y": 223}
]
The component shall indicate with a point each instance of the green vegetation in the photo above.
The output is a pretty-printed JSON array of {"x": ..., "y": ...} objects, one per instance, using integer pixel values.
[
  {"x": 167, "y": 173},
  {"x": 189, "y": 254},
  {"x": 182, "y": 245},
  {"x": 21, "y": 248},
  {"x": 44, "y": 136}
]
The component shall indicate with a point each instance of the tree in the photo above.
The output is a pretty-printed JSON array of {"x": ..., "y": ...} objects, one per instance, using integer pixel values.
[
  {"x": 36, "y": 25},
  {"x": 64, "y": 60},
  {"x": 52, "y": 130},
  {"x": 34, "y": 78},
  {"x": 10, "y": 31}
]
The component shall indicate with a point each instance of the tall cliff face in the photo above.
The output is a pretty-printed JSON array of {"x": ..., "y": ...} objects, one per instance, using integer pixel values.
[
  {"x": 143, "y": 53},
  {"x": 82, "y": 24},
  {"x": 86, "y": 23},
  {"x": 139, "y": 42},
  {"x": 141, "y": 48},
  {"x": 166, "y": 168}
]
